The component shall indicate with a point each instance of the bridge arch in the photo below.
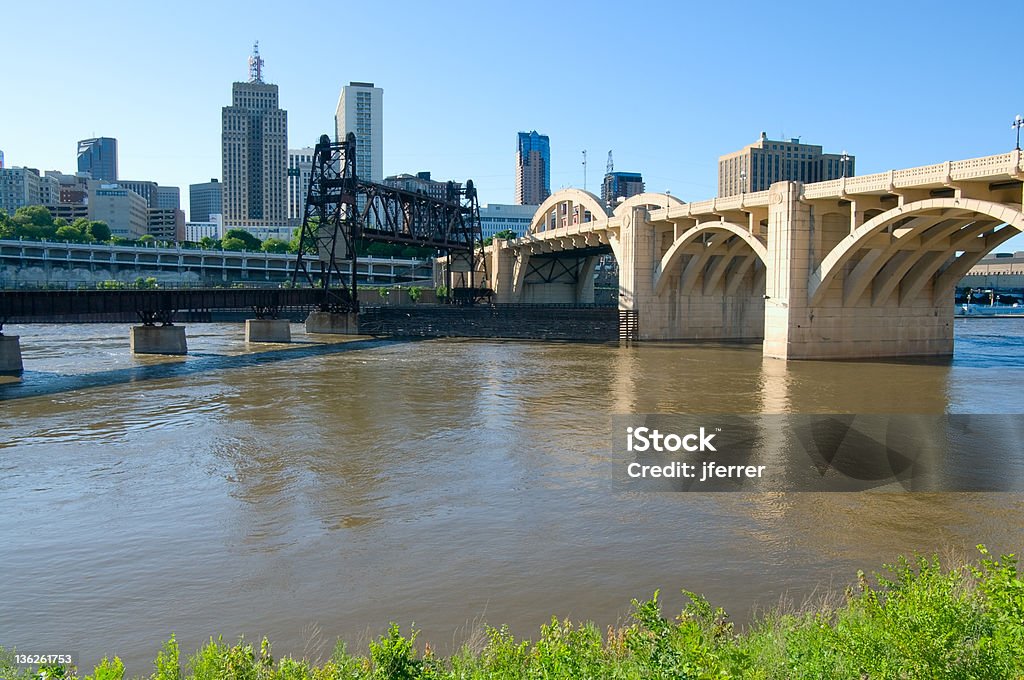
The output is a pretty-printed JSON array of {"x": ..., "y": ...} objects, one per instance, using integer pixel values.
[
  {"x": 728, "y": 240},
  {"x": 647, "y": 199},
  {"x": 568, "y": 206},
  {"x": 933, "y": 231}
]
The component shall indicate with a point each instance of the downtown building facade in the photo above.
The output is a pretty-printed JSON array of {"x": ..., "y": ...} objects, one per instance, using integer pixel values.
[
  {"x": 756, "y": 166},
  {"x": 621, "y": 185},
  {"x": 420, "y": 183},
  {"x": 300, "y": 167},
  {"x": 360, "y": 111},
  {"x": 22, "y": 187},
  {"x": 205, "y": 200},
  {"x": 98, "y": 157},
  {"x": 533, "y": 168},
  {"x": 254, "y": 146},
  {"x": 498, "y": 217}
]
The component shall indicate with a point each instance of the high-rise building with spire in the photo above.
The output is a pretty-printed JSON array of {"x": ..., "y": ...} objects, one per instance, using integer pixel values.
[{"x": 254, "y": 137}]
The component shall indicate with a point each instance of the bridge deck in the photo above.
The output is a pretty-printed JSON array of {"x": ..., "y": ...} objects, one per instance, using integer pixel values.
[{"x": 29, "y": 304}]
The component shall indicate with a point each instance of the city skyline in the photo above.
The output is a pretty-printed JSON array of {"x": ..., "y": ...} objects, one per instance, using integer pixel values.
[{"x": 451, "y": 126}]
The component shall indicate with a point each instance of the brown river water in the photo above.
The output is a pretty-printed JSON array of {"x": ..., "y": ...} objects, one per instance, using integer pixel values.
[{"x": 305, "y": 493}]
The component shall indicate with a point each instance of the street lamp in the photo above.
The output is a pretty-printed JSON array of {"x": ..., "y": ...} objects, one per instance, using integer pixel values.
[
  {"x": 844, "y": 158},
  {"x": 743, "y": 181},
  {"x": 1017, "y": 124}
]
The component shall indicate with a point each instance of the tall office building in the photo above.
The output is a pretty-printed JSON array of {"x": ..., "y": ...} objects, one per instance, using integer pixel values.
[
  {"x": 255, "y": 153},
  {"x": 21, "y": 187},
  {"x": 148, "y": 190},
  {"x": 756, "y": 166},
  {"x": 204, "y": 200},
  {"x": 533, "y": 168},
  {"x": 360, "y": 111},
  {"x": 300, "y": 167},
  {"x": 168, "y": 198},
  {"x": 124, "y": 211},
  {"x": 498, "y": 217},
  {"x": 98, "y": 157},
  {"x": 618, "y": 185}
]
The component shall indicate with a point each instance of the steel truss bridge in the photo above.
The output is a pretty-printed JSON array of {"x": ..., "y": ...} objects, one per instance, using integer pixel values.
[{"x": 345, "y": 213}]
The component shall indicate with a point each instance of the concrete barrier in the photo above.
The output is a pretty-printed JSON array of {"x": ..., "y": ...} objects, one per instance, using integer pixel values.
[
  {"x": 158, "y": 340},
  {"x": 330, "y": 322},
  {"x": 268, "y": 330},
  {"x": 10, "y": 354}
]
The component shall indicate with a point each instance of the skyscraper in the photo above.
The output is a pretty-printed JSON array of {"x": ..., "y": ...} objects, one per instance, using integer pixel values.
[
  {"x": 98, "y": 157},
  {"x": 533, "y": 168},
  {"x": 300, "y": 167},
  {"x": 360, "y": 111},
  {"x": 204, "y": 200},
  {"x": 254, "y": 133},
  {"x": 618, "y": 185},
  {"x": 756, "y": 166}
]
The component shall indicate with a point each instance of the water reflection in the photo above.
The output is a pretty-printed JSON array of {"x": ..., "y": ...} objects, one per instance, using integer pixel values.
[{"x": 432, "y": 482}]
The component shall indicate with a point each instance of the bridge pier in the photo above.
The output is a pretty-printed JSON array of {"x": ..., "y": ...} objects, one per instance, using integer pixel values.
[
  {"x": 158, "y": 340},
  {"x": 835, "y": 328},
  {"x": 10, "y": 355},
  {"x": 268, "y": 330},
  {"x": 333, "y": 323},
  {"x": 687, "y": 305}
]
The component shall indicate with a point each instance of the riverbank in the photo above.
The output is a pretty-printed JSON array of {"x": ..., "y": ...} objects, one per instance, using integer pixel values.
[{"x": 915, "y": 619}]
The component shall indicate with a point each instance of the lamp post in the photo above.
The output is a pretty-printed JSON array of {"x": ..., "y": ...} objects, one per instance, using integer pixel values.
[
  {"x": 584, "y": 169},
  {"x": 743, "y": 182},
  {"x": 1017, "y": 124},
  {"x": 844, "y": 158}
]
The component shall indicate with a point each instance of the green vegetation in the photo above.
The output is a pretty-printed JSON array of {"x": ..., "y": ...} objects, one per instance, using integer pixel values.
[
  {"x": 507, "y": 234},
  {"x": 917, "y": 619},
  {"x": 35, "y": 223}
]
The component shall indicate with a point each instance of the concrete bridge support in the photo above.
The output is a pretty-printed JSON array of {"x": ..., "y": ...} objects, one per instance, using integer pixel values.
[
  {"x": 700, "y": 298},
  {"x": 918, "y": 324},
  {"x": 158, "y": 340},
  {"x": 268, "y": 330},
  {"x": 10, "y": 355},
  {"x": 502, "y": 271},
  {"x": 332, "y": 323}
]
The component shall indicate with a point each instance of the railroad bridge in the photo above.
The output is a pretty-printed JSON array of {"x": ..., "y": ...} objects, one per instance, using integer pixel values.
[{"x": 855, "y": 267}]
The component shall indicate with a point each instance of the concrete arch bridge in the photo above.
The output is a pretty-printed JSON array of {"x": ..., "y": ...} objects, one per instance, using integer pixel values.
[{"x": 856, "y": 267}]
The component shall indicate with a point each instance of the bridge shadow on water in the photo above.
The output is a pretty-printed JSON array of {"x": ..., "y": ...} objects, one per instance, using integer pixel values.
[{"x": 40, "y": 384}]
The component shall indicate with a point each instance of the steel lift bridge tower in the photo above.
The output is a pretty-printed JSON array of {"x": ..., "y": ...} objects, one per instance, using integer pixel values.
[{"x": 344, "y": 214}]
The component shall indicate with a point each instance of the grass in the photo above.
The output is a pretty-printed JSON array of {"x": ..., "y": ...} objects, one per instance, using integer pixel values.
[{"x": 916, "y": 619}]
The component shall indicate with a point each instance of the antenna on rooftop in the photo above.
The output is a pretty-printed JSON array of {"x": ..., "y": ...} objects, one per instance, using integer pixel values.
[{"x": 256, "y": 64}]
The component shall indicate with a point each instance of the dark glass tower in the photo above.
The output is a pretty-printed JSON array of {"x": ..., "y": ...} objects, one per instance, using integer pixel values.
[{"x": 98, "y": 157}]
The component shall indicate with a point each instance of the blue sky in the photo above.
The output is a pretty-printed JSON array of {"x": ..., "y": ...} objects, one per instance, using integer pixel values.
[{"x": 667, "y": 86}]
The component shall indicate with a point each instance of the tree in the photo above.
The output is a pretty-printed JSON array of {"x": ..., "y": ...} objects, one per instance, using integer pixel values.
[
  {"x": 71, "y": 234},
  {"x": 6, "y": 225},
  {"x": 147, "y": 239},
  {"x": 233, "y": 243},
  {"x": 507, "y": 234},
  {"x": 33, "y": 222},
  {"x": 275, "y": 245},
  {"x": 209, "y": 243},
  {"x": 100, "y": 231},
  {"x": 249, "y": 242}
]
